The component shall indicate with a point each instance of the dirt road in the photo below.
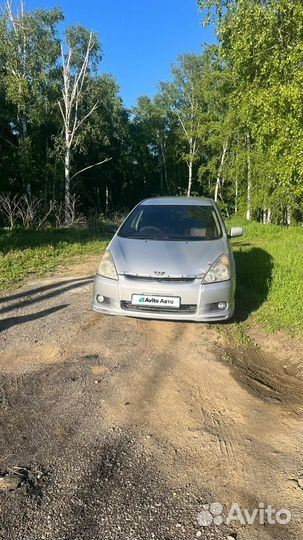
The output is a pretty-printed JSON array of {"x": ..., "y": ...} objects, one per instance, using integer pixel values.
[{"x": 124, "y": 428}]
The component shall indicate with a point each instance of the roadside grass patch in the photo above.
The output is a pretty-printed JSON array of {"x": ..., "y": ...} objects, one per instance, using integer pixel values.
[
  {"x": 269, "y": 261},
  {"x": 25, "y": 253},
  {"x": 236, "y": 334}
]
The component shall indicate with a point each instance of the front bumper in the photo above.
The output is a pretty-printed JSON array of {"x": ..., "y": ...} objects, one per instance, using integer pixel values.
[{"x": 198, "y": 302}]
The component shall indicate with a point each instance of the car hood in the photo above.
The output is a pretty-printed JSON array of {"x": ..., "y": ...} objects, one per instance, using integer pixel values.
[{"x": 159, "y": 258}]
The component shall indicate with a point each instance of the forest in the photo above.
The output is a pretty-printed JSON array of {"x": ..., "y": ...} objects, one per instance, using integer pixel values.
[{"x": 228, "y": 124}]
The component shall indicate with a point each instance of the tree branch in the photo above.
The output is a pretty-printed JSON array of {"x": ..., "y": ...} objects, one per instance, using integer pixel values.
[
  {"x": 84, "y": 118},
  {"x": 90, "y": 167},
  {"x": 182, "y": 124}
]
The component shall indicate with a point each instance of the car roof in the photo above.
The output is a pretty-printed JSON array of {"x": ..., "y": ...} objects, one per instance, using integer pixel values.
[{"x": 188, "y": 201}]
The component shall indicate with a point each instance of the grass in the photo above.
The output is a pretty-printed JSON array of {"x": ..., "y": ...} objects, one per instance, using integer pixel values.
[
  {"x": 25, "y": 253},
  {"x": 269, "y": 261}
]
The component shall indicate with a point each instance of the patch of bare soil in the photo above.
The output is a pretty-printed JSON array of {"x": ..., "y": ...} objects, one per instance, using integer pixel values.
[
  {"x": 288, "y": 351},
  {"x": 29, "y": 357},
  {"x": 139, "y": 424},
  {"x": 271, "y": 377}
]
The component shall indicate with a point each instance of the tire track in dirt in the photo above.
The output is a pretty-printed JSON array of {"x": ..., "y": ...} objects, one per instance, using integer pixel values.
[{"x": 268, "y": 377}]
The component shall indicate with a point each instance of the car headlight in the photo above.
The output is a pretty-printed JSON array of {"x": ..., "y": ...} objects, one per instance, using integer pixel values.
[
  {"x": 107, "y": 267},
  {"x": 219, "y": 270}
]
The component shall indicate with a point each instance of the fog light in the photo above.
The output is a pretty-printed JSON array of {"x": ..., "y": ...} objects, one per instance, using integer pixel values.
[
  {"x": 100, "y": 298},
  {"x": 222, "y": 305}
]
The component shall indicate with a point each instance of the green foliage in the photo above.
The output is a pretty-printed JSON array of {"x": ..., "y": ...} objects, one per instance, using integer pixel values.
[
  {"x": 261, "y": 45},
  {"x": 185, "y": 100},
  {"x": 231, "y": 119},
  {"x": 77, "y": 39},
  {"x": 27, "y": 253}
]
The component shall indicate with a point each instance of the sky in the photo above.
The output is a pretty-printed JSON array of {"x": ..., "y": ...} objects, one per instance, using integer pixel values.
[{"x": 140, "y": 38}]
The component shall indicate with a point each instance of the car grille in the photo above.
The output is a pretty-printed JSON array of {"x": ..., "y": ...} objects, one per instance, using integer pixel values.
[
  {"x": 161, "y": 280},
  {"x": 185, "y": 308}
]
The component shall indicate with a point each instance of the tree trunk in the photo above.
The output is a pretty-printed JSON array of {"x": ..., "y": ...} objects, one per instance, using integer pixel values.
[
  {"x": 248, "y": 208},
  {"x": 67, "y": 179},
  {"x": 190, "y": 177},
  {"x": 106, "y": 199},
  {"x": 236, "y": 196},
  {"x": 164, "y": 166},
  {"x": 190, "y": 165},
  {"x": 220, "y": 171},
  {"x": 266, "y": 216},
  {"x": 161, "y": 183},
  {"x": 73, "y": 87},
  {"x": 264, "y": 219},
  {"x": 23, "y": 139},
  {"x": 46, "y": 182}
]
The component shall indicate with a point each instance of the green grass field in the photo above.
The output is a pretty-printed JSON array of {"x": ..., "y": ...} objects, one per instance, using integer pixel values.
[
  {"x": 269, "y": 263},
  {"x": 25, "y": 253}
]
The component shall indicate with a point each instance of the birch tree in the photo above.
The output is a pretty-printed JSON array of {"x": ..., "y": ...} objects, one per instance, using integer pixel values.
[
  {"x": 80, "y": 58},
  {"x": 219, "y": 176},
  {"x": 261, "y": 41},
  {"x": 184, "y": 97},
  {"x": 249, "y": 187},
  {"x": 28, "y": 52}
]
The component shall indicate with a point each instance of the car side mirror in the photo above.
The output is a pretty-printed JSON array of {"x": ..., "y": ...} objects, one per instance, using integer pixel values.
[{"x": 235, "y": 231}]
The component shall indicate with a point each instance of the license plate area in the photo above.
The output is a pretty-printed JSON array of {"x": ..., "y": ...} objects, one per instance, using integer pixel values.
[{"x": 155, "y": 301}]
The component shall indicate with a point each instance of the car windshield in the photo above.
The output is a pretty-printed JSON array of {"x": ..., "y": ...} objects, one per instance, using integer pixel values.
[{"x": 172, "y": 222}]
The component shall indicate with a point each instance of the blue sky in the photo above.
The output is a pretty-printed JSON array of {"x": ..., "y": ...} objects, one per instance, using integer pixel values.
[{"x": 140, "y": 38}]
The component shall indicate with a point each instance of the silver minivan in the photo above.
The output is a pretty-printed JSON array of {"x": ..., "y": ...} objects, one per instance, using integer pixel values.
[{"x": 170, "y": 259}]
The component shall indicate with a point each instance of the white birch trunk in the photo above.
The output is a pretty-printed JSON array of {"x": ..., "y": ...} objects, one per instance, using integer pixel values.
[
  {"x": 73, "y": 87},
  {"x": 190, "y": 177},
  {"x": 248, "y": 208},
  {"x": 106, "y": 199},
  {"x": 218, "y": 181},
  {"x": 236, "y": 196},
  {"x": 67, "y": 178}
]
